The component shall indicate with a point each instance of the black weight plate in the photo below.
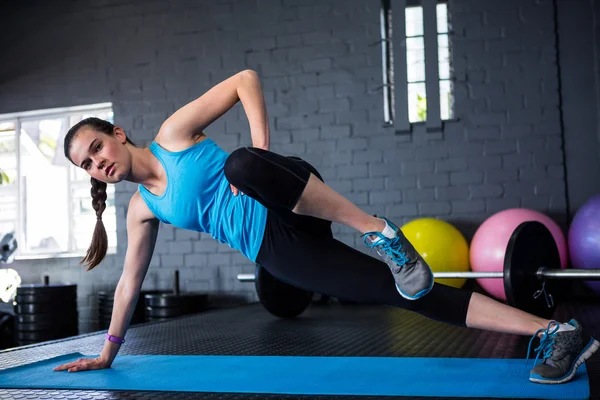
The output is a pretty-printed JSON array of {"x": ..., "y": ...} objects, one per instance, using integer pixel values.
[
  {"x": 46, "y": 298},
  {"x": 43, "y": 318},
  {"x": 105, "y": 315},
  {"x": 145, "y": 292},
  {"x": 531, "y": 246},
  {"x": 44, "y": 308},
  {"x": 7, "y": 323},
  {"x": 152, "y": 312},
  {"x": 45, "y": 326},
  {"x": 32, "y": 288},
  {"x": 105, "y": 310},
  {"x": 137, "y": 320},
  {"x": 279, "y": 298},
  {"x": 192, "y": 300}
]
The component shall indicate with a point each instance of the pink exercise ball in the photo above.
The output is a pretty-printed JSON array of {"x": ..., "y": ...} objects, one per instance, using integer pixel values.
[{"x": 488, "y": 246}]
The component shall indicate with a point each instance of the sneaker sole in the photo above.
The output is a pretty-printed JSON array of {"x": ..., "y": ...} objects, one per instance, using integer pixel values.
[
  {"x": 419, "y": 294},
  {"x": 587, "y": 352}
]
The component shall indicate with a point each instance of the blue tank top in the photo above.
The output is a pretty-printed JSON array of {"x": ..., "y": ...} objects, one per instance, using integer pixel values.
[{"x": 198, "y": 197}]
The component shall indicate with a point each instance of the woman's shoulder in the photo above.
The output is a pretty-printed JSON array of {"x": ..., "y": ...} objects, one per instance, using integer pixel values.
[{"x": 173, "y": 142}]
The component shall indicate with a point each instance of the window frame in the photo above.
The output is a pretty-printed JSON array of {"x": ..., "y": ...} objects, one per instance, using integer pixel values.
[{"x": 395, "y": 102}]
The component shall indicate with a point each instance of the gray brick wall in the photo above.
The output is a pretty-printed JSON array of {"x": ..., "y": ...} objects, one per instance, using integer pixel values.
[{"x": 320, "y": 68}]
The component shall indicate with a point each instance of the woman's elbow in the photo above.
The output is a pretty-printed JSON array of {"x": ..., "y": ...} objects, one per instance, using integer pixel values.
[{"x": 249, "y": 73}]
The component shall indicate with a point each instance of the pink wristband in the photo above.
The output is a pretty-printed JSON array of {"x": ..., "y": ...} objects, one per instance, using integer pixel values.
[{"x": 115, "y": 339}]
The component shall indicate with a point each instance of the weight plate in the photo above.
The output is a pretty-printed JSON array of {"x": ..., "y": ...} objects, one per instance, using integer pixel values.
[
  {"x": 531, "y": 246},
  {"x": 145, "y": 292},
  {"x": 44, "y": 308},
  {"x": 32, "y": 288},
  {"x": 279, "y": 298},
  {"x": 195, "y": 301},
  {"x": 45, "y": 298},
  {"x": 45, "y": 326},
  {"x": 43, "y": 318},
  {"x": 43, "y": 336},
  {"x": 105, "y": 310},
  {"x": 152, "y": 312},
  {"x": 6, "y": 330}
]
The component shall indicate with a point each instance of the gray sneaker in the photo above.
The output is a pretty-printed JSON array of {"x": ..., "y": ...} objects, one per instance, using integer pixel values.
[
  {"x": 561, "y": 352},
  {"x": 413, "y": 276}
]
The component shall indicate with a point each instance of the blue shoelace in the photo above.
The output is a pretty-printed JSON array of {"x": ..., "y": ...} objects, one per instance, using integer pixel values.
[
  {"x": 546, "y": 342},
  {"x": 391, "y": 247}
]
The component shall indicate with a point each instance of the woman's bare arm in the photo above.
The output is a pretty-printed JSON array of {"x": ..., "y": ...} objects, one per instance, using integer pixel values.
[
  {"x": 190, "y": 120},
  {"x": 142, "y": 230}
]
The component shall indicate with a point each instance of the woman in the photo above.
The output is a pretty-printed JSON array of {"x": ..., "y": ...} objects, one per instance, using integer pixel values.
[{"x": 277, "y": 212}]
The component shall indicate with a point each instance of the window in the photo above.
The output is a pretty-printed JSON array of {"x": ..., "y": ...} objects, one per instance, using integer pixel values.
[
  {"x": 43, "y": 197},
  {"x": 420, "y": 29}
]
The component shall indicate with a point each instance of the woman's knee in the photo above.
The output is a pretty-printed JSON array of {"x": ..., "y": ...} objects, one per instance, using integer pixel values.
[{"x": 238, "y": 165}]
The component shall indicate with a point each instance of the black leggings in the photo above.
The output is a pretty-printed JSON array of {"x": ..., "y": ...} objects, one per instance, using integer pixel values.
[{"x": 301, "y": 251}]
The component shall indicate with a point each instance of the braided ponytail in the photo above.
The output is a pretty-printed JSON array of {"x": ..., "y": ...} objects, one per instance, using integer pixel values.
[{"x": 98, "y": 247}]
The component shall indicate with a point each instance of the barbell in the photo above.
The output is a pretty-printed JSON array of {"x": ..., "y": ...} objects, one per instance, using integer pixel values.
[
  {"x": 531, "y": 269},
  {"x": 542, "y": 273}
]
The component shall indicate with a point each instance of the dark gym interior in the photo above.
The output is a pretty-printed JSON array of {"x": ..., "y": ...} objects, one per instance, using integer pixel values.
[{"x": 520, "y": 130}]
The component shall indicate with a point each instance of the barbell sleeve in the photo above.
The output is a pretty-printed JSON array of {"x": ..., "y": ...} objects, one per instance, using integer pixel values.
[{"x": 584, "y": 274}]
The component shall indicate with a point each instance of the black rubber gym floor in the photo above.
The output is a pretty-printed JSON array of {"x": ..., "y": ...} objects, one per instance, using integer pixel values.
[{"x": 334, "y": 330}]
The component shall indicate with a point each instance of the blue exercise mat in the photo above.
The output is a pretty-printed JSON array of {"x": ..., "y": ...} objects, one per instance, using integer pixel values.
[{"x": 369, "y": 376}]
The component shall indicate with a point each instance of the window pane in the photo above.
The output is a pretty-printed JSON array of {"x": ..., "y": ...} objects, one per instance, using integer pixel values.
[
  {"x": 414, "y": 21},
  {"x": 444, "y": 71},
  {"x": 415, "y": 59},
  {"x": 8, "y": 153},
  {"x": 84, "y": 216},
  {"x": 8, "y": 178},
  {"x": 446, "y": 100},
  {"x": 442, "y": 17},
  {"x": 443, "y": 42},
  {"x": 417, "y": 102},
  {"x": 44, "y": 190},
  {"x": 444, "y": 57}
]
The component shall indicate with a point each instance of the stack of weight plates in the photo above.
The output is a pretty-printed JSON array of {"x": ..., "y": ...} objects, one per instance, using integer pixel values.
[
  {"x": 160, "y": 307},
  {"x": 106, "y": 303},
  {"x": 45, "y": 312}
]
